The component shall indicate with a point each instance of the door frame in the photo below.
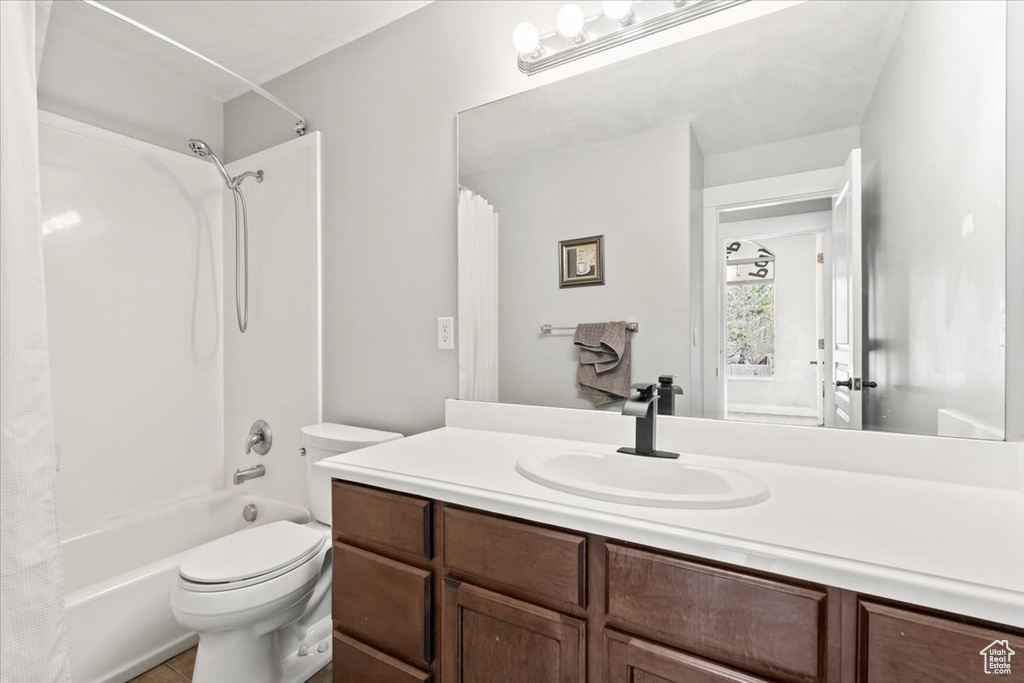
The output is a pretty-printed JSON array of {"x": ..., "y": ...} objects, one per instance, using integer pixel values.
[{"x": 782, "y": 189}]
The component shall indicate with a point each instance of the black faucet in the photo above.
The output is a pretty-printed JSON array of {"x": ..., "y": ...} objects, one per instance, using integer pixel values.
[
  {"x": 667, "y": 392},
  {"x": 644, "y": 407}
]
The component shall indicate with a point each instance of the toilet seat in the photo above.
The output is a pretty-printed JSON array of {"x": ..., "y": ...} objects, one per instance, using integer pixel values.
[{"x": 249, "y": 557}]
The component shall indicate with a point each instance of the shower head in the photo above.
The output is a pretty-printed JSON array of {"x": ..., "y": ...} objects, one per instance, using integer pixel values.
[{"x": 203, "y": 151}]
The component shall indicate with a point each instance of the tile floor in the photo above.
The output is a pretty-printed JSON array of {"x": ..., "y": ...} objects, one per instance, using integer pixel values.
[{"x": 178, "y": 669}]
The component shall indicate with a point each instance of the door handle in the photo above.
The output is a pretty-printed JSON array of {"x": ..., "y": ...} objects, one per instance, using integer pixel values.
[
  {"x": 869, "y": 385},
  {"x": 848, "y": 383}
]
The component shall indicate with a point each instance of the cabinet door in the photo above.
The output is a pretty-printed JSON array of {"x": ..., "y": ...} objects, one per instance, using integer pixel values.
[
  {"x": 491, "y": 638},
  {"x": 630, "y": 660},
  {"x": 902, "y": 645}
]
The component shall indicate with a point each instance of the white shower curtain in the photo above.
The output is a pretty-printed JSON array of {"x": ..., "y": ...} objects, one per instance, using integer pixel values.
[
  {"x": 32, "y": 641},
  {"x": 478, "y": 298}
]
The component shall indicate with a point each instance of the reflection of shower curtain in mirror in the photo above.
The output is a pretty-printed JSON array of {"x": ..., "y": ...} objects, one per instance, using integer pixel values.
[
  {"x": 478, "y": 298},
  {"x": 31, "y": 574}
]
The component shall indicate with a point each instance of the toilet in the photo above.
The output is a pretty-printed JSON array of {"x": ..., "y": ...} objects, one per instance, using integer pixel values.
[{"x": 260, "y": 598}]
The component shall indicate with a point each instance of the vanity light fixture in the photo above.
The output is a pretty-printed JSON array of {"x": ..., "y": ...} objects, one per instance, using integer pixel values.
[
  {"x": 571, "y": 23},
  {"x": 526, "y": 38},
  {"x": 619, "y": 22},
  {"x": 619, "y": 10}
]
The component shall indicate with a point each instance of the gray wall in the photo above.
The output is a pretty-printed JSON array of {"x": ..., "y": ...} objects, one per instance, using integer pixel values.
[
  {"x": 386, "y": 105},
  {"x": 632, "y": 191},
  {"x": 87, "y": 81},
  {"x": 809, "y": 153},
  {"x": 695, "y": 396},
  {"x": 934, "y": 219}
]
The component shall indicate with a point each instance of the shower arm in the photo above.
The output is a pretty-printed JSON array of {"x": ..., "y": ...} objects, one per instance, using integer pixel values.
[
  {"x": 236, "y": 182},
  {"x": 300, "y": 125}
]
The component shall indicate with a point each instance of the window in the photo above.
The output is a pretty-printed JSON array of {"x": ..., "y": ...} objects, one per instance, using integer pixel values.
[{"x": 750, "y": 329}]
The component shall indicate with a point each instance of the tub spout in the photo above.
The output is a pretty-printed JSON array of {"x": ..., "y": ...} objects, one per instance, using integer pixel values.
[{"x": 248, "y": 473}]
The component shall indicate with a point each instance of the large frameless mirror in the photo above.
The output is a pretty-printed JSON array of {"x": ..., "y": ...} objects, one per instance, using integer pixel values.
[{"x": 801, "y": 218}]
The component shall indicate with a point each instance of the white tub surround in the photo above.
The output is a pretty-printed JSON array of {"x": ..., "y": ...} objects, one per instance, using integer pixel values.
[
  {"x": 119, "y": 575},
  {"x": 935, "y": 543},
  {"x": 133, "y": 253}
]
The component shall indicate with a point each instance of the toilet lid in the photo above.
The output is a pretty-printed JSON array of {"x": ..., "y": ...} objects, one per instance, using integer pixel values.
[{"x": 251, "y": 553}]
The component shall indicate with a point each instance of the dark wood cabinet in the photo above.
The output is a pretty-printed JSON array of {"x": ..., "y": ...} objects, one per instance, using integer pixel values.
[
  {"x": 769, "y": 626},
  {"x": 356, "y": 662},
  {"x": 545, "y": 564},
  {"x": 631, "y": 660},
  {"x": 426, "y": 592},
  {"x": 384, "y": 603},
  {"x": 392, "y": 524},
  {"x": 491, "y": 638},
  {"x": 897, "y": 644}
]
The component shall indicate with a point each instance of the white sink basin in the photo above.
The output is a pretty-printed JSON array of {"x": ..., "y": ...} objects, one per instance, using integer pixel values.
[{"x": 639, "y": 480}]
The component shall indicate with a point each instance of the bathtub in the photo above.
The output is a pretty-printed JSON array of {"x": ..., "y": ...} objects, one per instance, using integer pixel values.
[{"x": 118, "y": 577}]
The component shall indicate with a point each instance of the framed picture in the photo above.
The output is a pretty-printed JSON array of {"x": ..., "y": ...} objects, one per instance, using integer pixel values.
[{"x": 581, "y": 262}]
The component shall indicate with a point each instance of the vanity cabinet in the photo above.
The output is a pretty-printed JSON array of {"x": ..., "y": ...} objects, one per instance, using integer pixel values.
[
  {"x": 492, "y": 638},
  {"x": 428, "y": 592}
]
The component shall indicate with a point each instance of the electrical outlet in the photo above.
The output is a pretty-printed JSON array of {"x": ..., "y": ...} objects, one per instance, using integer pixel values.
[{"x": 446, "y": 333}]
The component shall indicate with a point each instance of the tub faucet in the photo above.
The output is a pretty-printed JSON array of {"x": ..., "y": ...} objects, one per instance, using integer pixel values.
[
  {"x": 260, "y": 438},
  {"x": 643, "y": 405},
  {"x": 254, "y": 472}
]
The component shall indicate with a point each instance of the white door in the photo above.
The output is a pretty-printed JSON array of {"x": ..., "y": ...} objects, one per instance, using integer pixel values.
[
  {"x": 819, "y": 327},
  {"x": 847, "y": 311}
]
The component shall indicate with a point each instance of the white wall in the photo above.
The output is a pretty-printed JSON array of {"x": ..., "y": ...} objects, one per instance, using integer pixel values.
[
  {"x": 387, "y": 105},
  {"x": 133, "y": 286},
  {"x": 272, "y": 372},
  {"x": 935, "y": 157},
  {"x": 792, "y": 389},
  {"x": 809, "y": 153},
  {"x": 87, "y": 81},
  {"x": 631, "y": 190}
]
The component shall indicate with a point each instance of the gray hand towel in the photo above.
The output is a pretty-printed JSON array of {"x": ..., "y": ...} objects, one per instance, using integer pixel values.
[{"x": 605, "y": 363}]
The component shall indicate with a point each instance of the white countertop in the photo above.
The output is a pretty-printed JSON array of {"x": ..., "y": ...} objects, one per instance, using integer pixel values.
[{"x": 941, "y": 545}]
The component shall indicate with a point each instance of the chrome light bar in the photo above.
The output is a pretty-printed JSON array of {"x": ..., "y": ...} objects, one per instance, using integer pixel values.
[{"x": 600, "y": 31}]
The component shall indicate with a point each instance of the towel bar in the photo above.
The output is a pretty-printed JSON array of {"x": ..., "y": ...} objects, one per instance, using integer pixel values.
[{"x": 548, "y": 328}]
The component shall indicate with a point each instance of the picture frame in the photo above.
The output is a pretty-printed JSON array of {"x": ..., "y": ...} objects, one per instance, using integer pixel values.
[{"x": 581, "y": 262}]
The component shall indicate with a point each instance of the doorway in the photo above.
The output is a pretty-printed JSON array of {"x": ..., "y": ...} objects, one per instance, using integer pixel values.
[{"x": 772, "y": 316}]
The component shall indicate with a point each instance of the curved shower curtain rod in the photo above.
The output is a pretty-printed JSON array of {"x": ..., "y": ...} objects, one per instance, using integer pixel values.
[{"x": 300, "y": 126}]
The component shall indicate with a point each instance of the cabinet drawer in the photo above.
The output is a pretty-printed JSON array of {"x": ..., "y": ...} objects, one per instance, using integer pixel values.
[
  {"x": 384, "y": 603},
  {"x": 521, "y": 557},
  {"x": 757, "y": 624},
  {"x": 355, "y": 662},
  {"x": 631, "y": 660},
  {"x": 902, "y": 645},
  {"x": 393, "y": 523}
]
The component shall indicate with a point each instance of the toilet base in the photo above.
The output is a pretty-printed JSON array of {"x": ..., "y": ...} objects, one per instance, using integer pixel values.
[
  {"x": 271, "y": 658},
  {"x": 298, "y": 668}
]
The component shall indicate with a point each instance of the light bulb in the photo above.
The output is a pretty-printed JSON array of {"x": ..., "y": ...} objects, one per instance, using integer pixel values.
[
  {"x": 570, "y": 22},
  {"x": 618, "y": 10},
  {"x": 526, "y": 38}
]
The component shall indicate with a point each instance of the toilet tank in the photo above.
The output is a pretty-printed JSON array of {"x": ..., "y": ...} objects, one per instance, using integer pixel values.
[{"x": 324, "y": 440}]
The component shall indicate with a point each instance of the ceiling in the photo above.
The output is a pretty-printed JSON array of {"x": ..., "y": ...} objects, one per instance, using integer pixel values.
[
  {"x": 258, "y": 39},
  {"x": 804, "y": 70}
]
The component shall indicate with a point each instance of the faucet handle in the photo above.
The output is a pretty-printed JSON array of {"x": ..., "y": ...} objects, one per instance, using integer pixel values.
[
  {"x": 260, "y": 439},
  {"x": 646, "y": 390}
]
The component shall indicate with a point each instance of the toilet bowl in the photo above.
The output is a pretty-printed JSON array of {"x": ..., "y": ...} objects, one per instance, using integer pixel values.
[{"x": 260, "y": 598}]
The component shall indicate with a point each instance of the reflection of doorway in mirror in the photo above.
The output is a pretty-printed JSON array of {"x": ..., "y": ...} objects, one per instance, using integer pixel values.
[{"x": 772, "y": 317}]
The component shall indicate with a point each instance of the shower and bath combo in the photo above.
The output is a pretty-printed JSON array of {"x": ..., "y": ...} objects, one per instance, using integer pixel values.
[{"x": 203, "y": 151}]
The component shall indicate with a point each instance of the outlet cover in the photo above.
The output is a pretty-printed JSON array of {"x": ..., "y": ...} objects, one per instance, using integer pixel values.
[{"x": 446, "y": 333}]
